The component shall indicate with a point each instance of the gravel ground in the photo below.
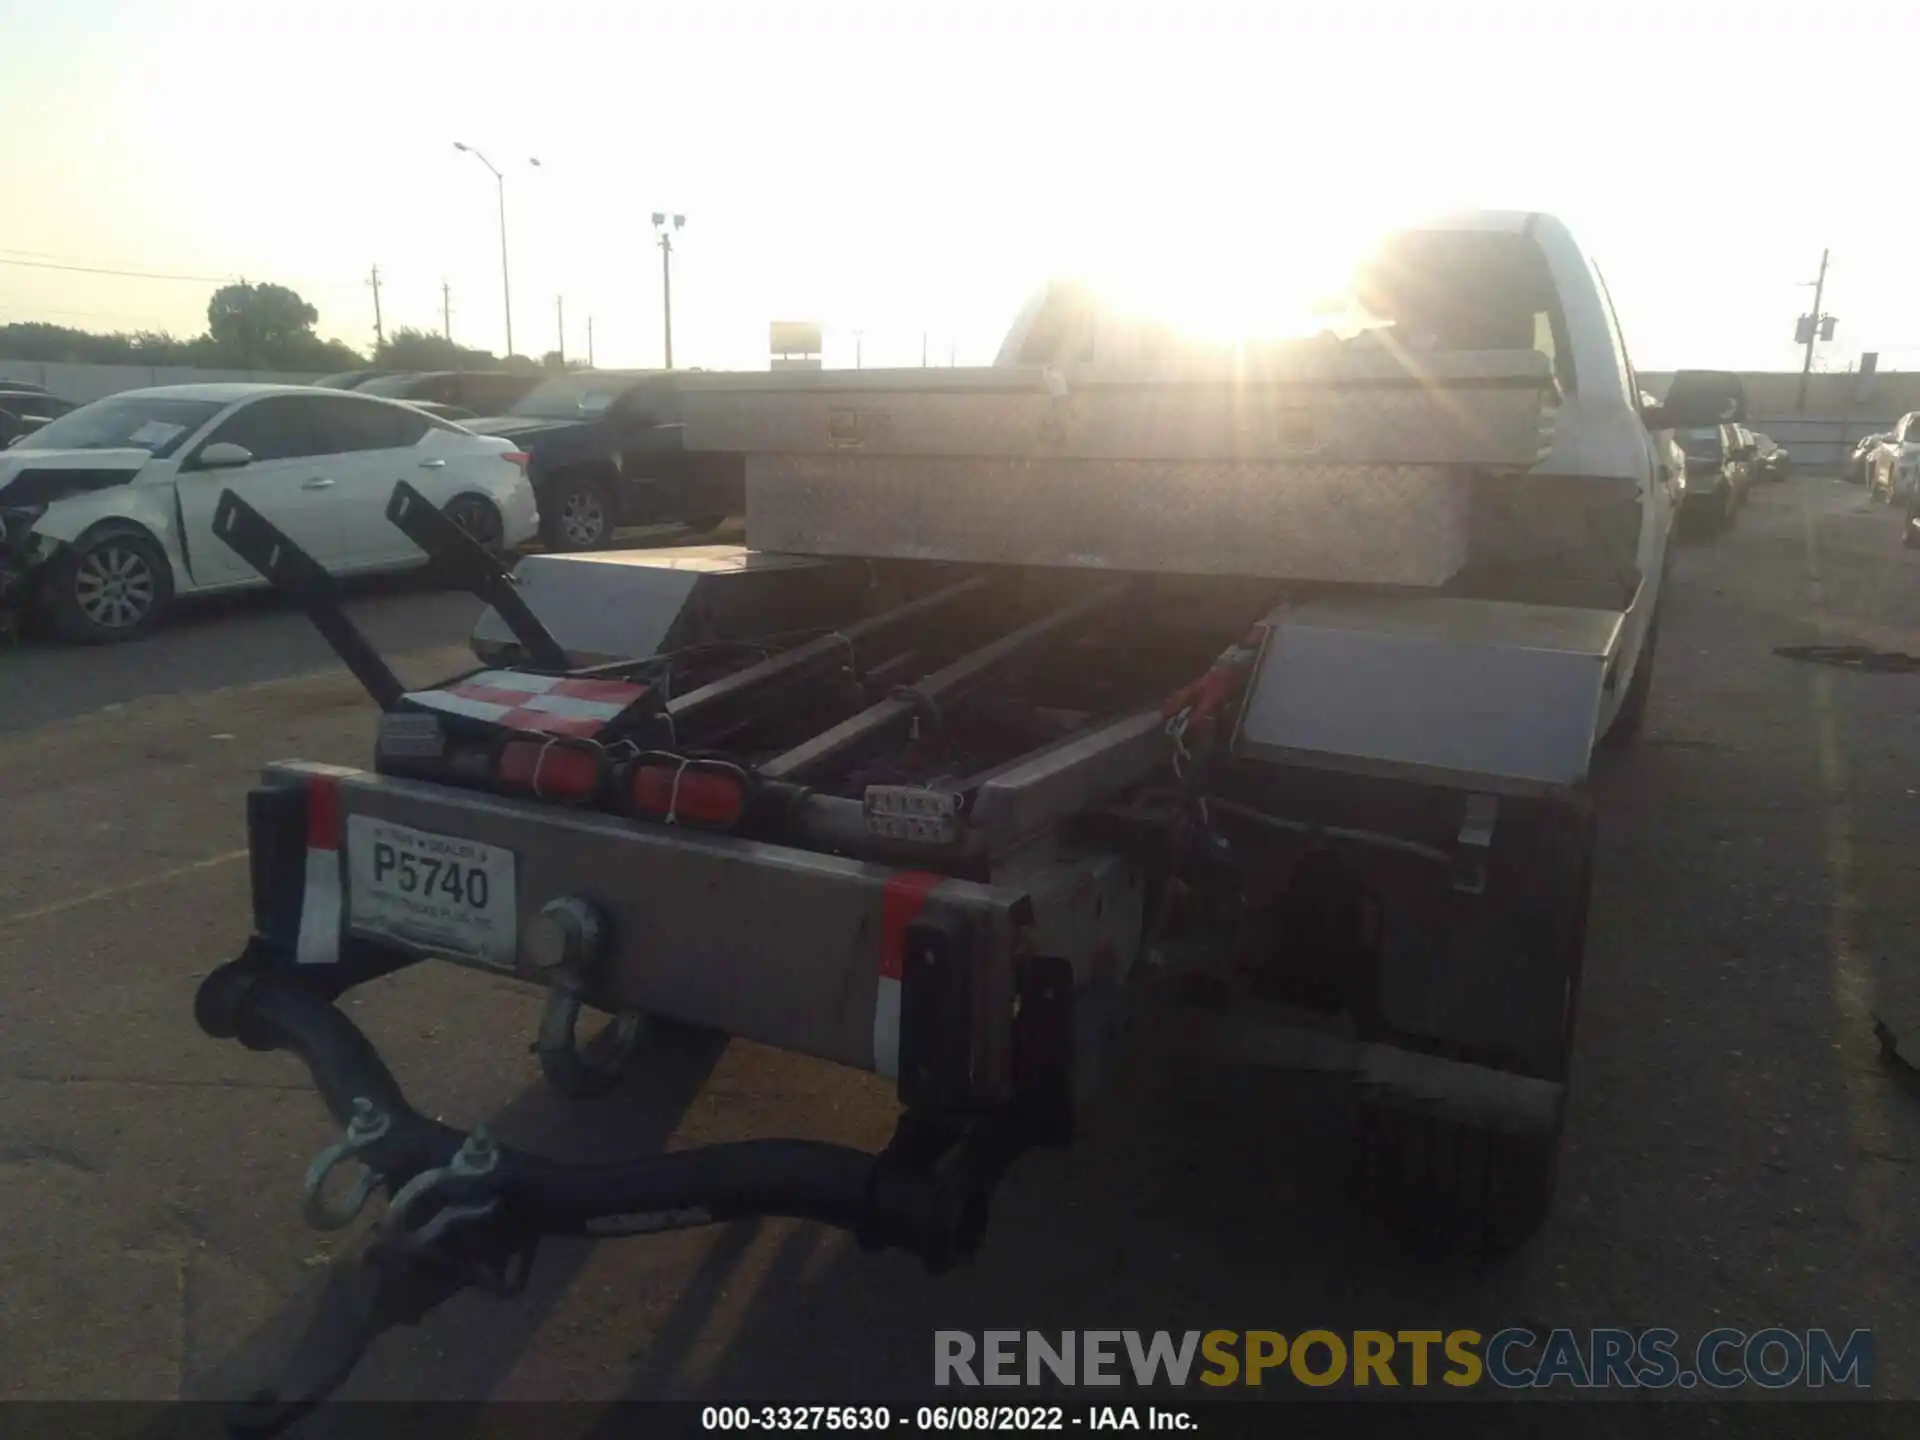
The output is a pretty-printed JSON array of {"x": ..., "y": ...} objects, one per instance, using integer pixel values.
[{"x": 1739, "y": 1154}]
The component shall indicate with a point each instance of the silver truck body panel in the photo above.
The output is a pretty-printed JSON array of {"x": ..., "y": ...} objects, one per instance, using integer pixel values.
[
  {"x": 628, "y": 604},
  {"x": 1475, "y": 694},
  {"x": 1377, "y": 524}
]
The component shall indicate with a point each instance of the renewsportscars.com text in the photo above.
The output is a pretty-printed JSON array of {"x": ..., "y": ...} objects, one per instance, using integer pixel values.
[{"x": 1509, "y": 1359}]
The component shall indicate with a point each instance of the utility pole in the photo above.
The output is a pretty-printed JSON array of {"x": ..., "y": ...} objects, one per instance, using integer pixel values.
[
  {"x": 560, "y": 318},
  {"x": 660, "y": 218},
  {"x": 446, "y": 312},
  {"x": 923, "y": 349},
  {"x": 589, "y": 342},
  {"x": 379, "y": 331},
  {"x": 1817, "y": 326},
  {"x": 859, "y": 349}
]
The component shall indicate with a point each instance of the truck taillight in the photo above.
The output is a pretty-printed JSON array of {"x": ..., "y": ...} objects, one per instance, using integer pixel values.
[
  {"x": 518, "y": 457},
  {"x": 688, "y": 792},
  {"x": 550, "y": 768}
]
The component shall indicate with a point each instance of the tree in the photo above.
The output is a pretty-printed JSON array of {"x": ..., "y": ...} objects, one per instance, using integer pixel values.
[
  {"x": 410, "y": 349},
  {"x": 249, "y": 327},
  {"x": 260, "y": 326}
]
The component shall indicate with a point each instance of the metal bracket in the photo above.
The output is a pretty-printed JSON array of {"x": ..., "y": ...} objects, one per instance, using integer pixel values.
[
  {"x": 367, "y": 1128},
  {"x": 302, "y": 579},
  {"x": 913, "y": 813},
  {"x": 466, "y": 564},
  {"x": 1474, "y": 843}
]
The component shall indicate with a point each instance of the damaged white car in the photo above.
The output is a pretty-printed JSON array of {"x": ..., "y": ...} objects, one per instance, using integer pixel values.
[{"x": 106, "y": 513}]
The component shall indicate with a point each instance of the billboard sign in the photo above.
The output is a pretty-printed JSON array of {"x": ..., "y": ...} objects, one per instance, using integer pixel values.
[{"x": 794, "y": 337}]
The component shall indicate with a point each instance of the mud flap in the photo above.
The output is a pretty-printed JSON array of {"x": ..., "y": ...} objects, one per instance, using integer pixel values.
[{"x": 1495, "y": 979}]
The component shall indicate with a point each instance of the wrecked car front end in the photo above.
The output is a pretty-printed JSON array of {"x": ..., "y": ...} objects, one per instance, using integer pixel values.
[{"x": 33, "y": 492}]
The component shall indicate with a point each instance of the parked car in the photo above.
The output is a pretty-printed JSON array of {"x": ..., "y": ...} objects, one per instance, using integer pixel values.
[
  {"x": 445, "y": 412},
  {"x": 107, "y": 512},
  {"x": 1860, "y": 461},
  {"x": 604, "y": 450},
  {"x": 1893, "y": 462},
  {"x": 24, "y": 408},
  {"x": 1720, "y": 469},
  {"x": 351, "y": 379},
  {"x": 480, "y": 392},
  {"x": 1771, "y": 460}
]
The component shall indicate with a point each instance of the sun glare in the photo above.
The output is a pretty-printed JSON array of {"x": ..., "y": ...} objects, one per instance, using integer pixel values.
[{"x": 1240, "y": 280}]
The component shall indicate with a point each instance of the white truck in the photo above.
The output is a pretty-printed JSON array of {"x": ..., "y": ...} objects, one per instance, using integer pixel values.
[{"x": 1115, "y": 695}]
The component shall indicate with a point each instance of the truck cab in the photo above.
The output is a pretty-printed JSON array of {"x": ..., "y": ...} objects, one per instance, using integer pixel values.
[{"x": 1486, "y": 281}]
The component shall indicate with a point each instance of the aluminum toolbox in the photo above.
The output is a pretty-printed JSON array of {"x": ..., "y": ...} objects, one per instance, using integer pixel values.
[{"x": 1326, "y": 462}]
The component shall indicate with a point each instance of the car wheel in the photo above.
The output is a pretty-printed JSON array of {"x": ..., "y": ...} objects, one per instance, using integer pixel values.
[
  {"x": 479, "y": 521},
  {"x": 108, "y": 587},
  {"x": 578, "y": 516}
]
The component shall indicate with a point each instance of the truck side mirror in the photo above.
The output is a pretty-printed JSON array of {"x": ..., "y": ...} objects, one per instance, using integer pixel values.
[{"x": 1698, "y": 398}]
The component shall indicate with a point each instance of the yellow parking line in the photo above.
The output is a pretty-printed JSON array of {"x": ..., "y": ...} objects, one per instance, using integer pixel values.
[{"x": 114, "y": 891}]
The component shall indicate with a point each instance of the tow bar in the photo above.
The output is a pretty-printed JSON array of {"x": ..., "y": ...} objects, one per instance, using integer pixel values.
[{"x": 464, "y": 1211}]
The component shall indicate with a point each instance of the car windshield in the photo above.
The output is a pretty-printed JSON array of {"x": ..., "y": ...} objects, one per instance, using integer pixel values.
[
  {"x": 158, "y": 425},
  {"x": 570, "y": 398}
]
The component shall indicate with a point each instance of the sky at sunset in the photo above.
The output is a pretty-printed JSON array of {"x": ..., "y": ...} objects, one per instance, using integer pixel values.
[{"x": 913, "y": 169}]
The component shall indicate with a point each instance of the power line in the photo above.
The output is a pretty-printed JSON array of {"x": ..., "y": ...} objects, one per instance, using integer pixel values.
[{"x": 123, "y": 274}]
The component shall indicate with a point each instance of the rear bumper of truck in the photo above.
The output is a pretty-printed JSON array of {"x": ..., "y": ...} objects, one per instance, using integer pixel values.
[{"x": 904, "y": 973}]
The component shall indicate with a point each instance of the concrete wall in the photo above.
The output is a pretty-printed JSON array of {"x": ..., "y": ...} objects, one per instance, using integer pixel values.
[{"x": 81, "y": 383}]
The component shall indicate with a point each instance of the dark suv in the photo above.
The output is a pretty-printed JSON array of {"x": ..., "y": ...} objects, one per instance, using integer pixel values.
[
  {"x": 605, "y": 451},
  {"x": 478, "y": 392},
  {"x": 1721, "y": 460}
]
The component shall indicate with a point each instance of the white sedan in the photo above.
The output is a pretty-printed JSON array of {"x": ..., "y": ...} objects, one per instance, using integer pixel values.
[{"x": 106, "y": 514}]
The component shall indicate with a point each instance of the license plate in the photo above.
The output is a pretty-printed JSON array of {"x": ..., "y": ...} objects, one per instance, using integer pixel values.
[{"x": 439, "y": 893}]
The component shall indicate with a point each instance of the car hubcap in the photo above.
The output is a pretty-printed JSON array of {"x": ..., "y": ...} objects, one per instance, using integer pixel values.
[
  {"x": 115, "y": 587},
  {"x": 582, "y": 519},
  {"x": 476, "y": 522}
]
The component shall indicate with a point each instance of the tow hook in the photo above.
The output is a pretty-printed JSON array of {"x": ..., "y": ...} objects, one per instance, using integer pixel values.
[
  {"x": 368, "y": 1128},
  {"x": 452, "y": 1186}
]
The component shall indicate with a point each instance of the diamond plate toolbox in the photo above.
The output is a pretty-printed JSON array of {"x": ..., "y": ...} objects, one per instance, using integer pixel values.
[{"x": 1323, "y": 465}]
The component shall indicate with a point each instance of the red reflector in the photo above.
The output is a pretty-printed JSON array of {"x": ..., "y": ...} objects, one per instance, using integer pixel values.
[
  {"x": 569, "y": 772},
  {"x": 518, "y": 457},
  {"x": 323, "y": 813},
  {"x": 685, "y": 793}
]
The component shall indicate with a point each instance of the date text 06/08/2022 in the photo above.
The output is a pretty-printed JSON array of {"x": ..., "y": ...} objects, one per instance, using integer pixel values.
[{"x": 930, "y": 1419}]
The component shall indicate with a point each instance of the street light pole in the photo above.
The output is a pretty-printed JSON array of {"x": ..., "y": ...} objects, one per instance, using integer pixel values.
[
  {"x": 660, "y": 219},
  {"x": 506, "y": 285}
]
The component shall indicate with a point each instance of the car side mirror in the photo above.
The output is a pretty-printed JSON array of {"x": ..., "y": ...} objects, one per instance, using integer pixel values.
[{"x": 224, "y": 455}]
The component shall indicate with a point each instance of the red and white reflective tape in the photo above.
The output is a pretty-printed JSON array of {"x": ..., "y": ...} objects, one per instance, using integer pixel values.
[
  {"x": 321, "y": 911},
  {"x": 540, "y": 704},
  {"x": 900, "y": 905}
]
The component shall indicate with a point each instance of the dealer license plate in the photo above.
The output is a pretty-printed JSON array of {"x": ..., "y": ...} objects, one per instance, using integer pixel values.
[{"x": 431, "y": 892}]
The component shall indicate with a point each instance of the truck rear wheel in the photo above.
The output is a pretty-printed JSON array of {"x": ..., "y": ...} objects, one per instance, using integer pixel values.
[{"x": 1447, "y": 1183}]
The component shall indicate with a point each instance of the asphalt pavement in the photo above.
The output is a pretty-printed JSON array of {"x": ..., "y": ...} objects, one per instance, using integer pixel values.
[{"x": 1739, "y": 1153}]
